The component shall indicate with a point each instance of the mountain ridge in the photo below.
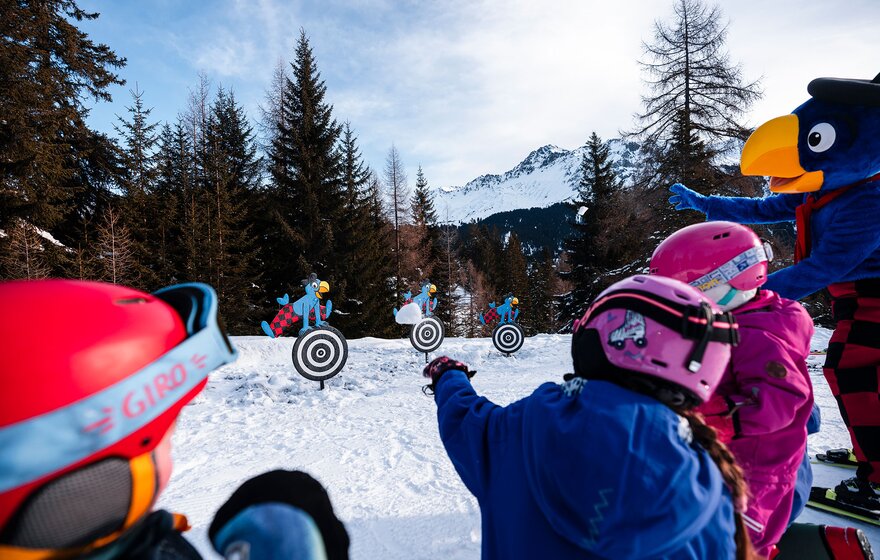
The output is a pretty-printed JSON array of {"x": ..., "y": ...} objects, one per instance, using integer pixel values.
[{"x": 548, "y": 175}]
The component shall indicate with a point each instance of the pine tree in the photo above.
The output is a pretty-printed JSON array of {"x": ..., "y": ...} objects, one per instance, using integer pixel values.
[
  {"x": 398, "y": 194},
  {"x": 138, "y": 140},
  {"x": 515, "y": 279},
  {"x": 305, "y": 193},
  {"x": 361, "y": 250},
  {"x": 173, "y": 179},
  {"x": 194, "y": 211},
  {"x": 23, "y": 255},
  {"x": 696, "y": 94},
  {"x": 542, "y": 295},
  {"x": 115, "y": 260},
  {"x": 233, "y": 175},
  {"x": 447, "y": 276},
  {"x": 377, "y": 278},
  {"x": 48, "y": 68},
  {"x": 590, "y": 248},
  {"x": 692, "y": 113},
  {"x": 420, "y": 247}
]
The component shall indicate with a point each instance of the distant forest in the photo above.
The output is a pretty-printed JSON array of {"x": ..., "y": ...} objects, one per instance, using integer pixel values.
[{"x": 252, "y": 204}]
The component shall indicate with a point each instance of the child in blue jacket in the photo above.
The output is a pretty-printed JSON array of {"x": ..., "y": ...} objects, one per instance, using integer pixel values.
[{"x": 612, "y": 463}]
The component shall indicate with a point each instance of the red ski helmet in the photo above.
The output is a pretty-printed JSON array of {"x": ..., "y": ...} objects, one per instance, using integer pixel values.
[
  {"x": 93, "y": 377},
  {"x": 657, "y": 327},
  {"x": 709, "y": 254}
]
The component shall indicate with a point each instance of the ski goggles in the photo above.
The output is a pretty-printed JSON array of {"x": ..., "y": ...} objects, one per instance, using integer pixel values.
[
  {"x": 38, "y": 447},
  {"x": 734, "y": 267}
]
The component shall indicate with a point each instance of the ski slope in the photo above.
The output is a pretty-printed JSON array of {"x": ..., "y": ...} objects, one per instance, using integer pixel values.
[{"x": 371, "y": 438}]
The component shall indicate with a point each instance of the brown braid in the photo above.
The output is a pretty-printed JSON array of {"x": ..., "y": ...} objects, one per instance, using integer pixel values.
[{"x": 733, "y": 477}]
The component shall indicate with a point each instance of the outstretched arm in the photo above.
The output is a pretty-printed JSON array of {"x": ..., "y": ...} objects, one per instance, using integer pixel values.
[
  {"x": 743, "y": 210},
  {"x": 464, "y": 419}
]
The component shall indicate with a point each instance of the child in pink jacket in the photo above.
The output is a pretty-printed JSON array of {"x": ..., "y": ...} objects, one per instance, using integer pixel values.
[{"x": 763, "y": 402}]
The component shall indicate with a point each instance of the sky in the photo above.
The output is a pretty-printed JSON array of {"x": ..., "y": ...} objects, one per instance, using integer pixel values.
[{"x": 464, "y": 88}]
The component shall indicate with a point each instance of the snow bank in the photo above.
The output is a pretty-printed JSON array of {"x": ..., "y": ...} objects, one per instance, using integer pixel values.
[{"x": 370, "y": 437}]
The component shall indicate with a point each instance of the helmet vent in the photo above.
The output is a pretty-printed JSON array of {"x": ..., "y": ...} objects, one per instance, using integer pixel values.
[
  {"x": 724, "y": 235},
  {"x": 660, "y": 363},
  {"x": 131, "y": 301},
  {"x": 682, "y": 295}
]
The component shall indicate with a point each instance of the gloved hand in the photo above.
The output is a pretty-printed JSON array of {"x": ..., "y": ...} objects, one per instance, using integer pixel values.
[
  {"x": 283, "y": 300},
  {"x": 267, "y": 511},
  {"x": 441, "y": 365},
  {"x": 684, "y": 198},
  {"x": 720, "y": 412}
]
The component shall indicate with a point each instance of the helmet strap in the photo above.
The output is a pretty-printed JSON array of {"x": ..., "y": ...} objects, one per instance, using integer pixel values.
[
  {"x": 728, "y": 296},
  {"x": 695, "y": 360}
]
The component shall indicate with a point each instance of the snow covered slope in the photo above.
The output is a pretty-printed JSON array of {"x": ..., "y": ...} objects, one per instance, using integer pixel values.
[
  {"x": 370, "y": 437},
  {"x": 548, "y": 175}
]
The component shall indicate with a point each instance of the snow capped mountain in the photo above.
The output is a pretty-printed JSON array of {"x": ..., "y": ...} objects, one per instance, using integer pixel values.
[{"x": 546, "y": 176}]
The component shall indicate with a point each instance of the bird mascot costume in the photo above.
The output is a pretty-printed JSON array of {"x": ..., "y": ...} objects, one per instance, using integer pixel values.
[{"x": 823, "y": 161}]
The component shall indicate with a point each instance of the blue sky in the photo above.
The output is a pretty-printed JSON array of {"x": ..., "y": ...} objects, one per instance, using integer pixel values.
[{"x": 464, "y": 88}]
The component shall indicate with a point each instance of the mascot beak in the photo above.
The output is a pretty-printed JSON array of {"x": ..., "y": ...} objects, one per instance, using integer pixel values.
[
  {"x": 432, "y": 289},
  {"x": 515, "y": 301},
  {"x": 323, "y": 288},
  {"x": 772, "y": 151}
]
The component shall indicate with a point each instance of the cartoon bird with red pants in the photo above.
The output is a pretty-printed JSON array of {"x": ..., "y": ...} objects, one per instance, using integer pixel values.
[
  {"x": 823, "y": 161},
  {"x": 306, "y": 308}
]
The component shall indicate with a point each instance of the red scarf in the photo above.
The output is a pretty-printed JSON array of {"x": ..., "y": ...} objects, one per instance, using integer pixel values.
[{"x": 804, "y": 212}]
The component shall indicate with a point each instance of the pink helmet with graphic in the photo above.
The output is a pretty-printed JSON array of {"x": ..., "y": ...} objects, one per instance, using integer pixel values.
[
  {"x": 659, "y": 327},
  {"x": 713, "y": 253}
]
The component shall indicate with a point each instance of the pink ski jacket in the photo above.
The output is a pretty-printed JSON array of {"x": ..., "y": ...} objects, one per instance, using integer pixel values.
[{"x": 761, "y": 408}]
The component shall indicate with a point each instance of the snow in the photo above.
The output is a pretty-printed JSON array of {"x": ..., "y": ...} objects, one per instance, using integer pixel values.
[
  {"x": 546, "y": 176},
  {"x": 370, "y": 437},
  {"x": 409, "y": 314}
]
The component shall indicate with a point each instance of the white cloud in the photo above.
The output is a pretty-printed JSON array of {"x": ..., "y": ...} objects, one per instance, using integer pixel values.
[{"x": 467, "y": 87}]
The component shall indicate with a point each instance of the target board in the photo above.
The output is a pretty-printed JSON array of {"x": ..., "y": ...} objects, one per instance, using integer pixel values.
[
  {"x": 427, "y": 335},
  {"x": 320, "y": 353},
  {"x": 508, "y": 337}
]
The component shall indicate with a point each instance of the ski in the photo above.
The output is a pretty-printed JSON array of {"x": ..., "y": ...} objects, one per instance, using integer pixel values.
[
  {"x": 837, "y": 458},
  {"x": 825, "y": 499}
]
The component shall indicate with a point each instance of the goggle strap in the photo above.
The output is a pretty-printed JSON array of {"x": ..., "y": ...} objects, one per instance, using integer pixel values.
[
  {"x": 144, "y": 486},
  {"x": 732, "y": 268},
  {"x": 685, "y": 319}
]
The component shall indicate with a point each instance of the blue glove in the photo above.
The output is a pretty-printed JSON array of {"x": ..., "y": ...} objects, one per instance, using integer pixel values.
[
  {"x": 684, "y": 198},
  {"x": 280, "y": 514},
  {"x": 283, "y": 300}
]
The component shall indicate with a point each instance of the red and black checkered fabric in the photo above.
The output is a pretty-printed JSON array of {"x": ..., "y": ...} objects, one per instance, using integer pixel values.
[
  {"x": 286, "y": 318},
  {"x": 852, "y": 368},
  {"x": 490, "y": 315}
]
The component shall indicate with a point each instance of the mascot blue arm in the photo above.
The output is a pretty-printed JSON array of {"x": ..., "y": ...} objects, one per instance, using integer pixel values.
[{"x": 828, "y": 144}]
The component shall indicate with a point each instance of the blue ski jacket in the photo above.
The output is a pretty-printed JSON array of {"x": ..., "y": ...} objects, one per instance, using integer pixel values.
[{"x": 585, "y": 469}]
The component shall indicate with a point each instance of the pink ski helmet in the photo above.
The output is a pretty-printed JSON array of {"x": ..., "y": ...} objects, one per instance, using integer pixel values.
[
  {"x": 658, "y": 327},
  {"x": 709, "y": 254}
]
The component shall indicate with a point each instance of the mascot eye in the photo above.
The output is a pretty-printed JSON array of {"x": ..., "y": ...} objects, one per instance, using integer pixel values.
[
  {"x": 315, "y": 285},
  {"x": 821, "y": 137}
]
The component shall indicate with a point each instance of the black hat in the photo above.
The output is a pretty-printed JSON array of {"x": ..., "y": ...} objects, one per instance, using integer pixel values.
[
  {"x": 296, "y": 488},
  {"x": 847, "y": 91}
]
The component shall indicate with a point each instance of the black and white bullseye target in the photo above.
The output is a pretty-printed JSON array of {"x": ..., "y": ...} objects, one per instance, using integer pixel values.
[
  {"x": 320, "y": 353},
  {"x": 427, "y": 335},
  {"x": 508, "y": 337}
]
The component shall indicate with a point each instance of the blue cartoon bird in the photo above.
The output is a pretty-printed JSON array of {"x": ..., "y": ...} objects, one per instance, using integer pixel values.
[
  {"x": 305, "y": 308},
  {"x": 507, "y": 311},
  {"x": 424, "y": 298},
  {"x": 823, "y": 161}
]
